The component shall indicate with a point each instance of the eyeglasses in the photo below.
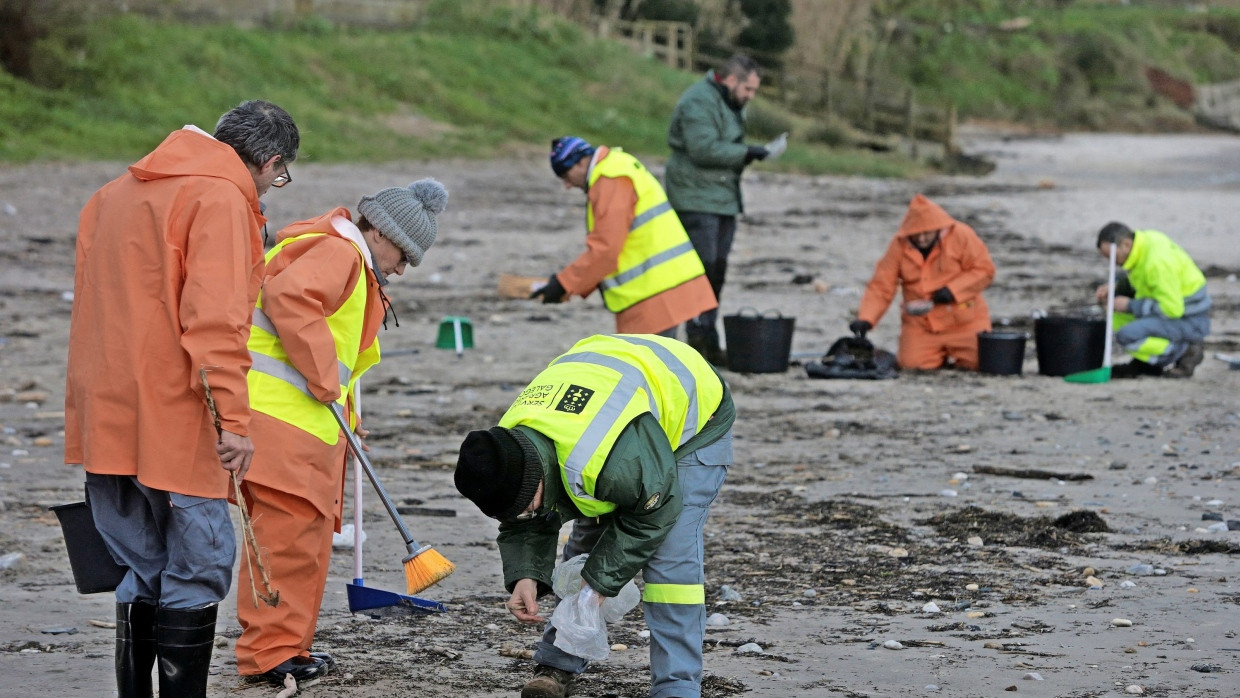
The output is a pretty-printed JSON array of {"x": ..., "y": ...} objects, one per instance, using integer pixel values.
[{"x": 282, "y": 178}]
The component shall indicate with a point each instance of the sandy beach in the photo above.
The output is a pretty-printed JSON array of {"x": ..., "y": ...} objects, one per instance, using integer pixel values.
[{"x": 852, "y": 505}]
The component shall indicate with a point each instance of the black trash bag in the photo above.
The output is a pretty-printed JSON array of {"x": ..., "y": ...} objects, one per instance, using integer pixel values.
[{"x": 854, "y": 357}]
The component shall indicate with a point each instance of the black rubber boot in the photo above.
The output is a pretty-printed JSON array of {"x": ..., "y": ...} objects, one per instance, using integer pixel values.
[
  {"x": 135, "y": 649},
  {"x": 184, "y": 639}
]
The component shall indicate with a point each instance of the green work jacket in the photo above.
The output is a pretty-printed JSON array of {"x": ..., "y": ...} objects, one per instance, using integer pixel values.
[
  {"x": 707, "y": 138},
  {"x": 640, "y": 465}
]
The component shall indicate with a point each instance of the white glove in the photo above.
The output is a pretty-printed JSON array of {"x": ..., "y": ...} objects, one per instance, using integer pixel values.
[{"x": 776, "y": 147}]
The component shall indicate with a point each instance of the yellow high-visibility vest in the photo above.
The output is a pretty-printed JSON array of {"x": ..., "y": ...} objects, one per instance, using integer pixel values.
[
  {"x": 587, "y": 396},
  {"x": 657, "y": 254},
  {"x": 278, "y": 389}
]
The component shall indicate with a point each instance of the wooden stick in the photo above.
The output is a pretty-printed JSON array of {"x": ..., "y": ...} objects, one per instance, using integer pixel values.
[{"x": 248, "y": 541}]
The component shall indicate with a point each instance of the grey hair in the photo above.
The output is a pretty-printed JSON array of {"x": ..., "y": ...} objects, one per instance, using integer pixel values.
[
  {"x": 739, "y": 65},
  {"x": 259, "y": 130}
]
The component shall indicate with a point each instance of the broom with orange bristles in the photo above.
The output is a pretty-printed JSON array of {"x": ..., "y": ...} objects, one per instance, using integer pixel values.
[{"x": 425, "y": 566}]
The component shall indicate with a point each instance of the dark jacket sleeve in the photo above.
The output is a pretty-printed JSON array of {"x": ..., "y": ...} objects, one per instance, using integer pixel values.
[
  {"x": 527, "y": 549},
  {"x": 640, "y": 479}
]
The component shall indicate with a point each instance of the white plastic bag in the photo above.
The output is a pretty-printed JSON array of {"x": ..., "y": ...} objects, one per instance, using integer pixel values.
[
  {"x": 776, "y": 147},
  {"x": 566, "y": 581},
  {"x": 579, "y": 626}
]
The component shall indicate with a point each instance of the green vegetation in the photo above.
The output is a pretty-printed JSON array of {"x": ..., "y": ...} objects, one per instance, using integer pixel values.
[
  {"x": 1055, "y": 62},
  {"x": 462, "y": 84}
]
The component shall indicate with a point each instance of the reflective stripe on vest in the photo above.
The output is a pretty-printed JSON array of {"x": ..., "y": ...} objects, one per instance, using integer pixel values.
[
  {"x": 279, "y": 390},
  {"x": 686, "y": 594},
  {"x": 586, "y": 398},
  {"x": 657, "y": 254}
]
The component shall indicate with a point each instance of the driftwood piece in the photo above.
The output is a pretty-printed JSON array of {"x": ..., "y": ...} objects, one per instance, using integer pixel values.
[{"x": 1030, "y": 473}]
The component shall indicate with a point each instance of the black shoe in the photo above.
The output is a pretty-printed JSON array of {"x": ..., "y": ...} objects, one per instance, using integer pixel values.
[
  {"x": 1135, "y": 369},
  {"x": 135, "y": 649},
  {"x": 1188, "y": 363},
  {"x": 302, "y": 669},
  {"x": 328, "y": 660},
  {"x": 548, "y": 682},
  {"x": 184, "y": 640}
]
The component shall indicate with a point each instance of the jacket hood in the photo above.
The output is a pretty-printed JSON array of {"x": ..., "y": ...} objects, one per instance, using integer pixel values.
[
  {"x": 923, "y": 215},
  {"x": 191, "y": 151},
  {"x": 338, "y": 223}
]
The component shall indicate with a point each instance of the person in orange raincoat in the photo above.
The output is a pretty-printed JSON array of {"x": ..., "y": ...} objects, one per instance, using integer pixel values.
[
  {"x": 637, "y": 253},
  {"x": 941, "y": 267},
  {"x": 315, "y": 333},
  {"x": 169, "y": 259}
]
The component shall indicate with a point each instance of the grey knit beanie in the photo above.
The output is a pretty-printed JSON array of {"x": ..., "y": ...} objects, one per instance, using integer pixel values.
[{"x": 406, "y": 215}]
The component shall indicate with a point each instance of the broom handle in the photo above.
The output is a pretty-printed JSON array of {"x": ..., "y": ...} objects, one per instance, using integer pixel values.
[
  {"x": 356, "y": 446},
  {"x": 1106, "y": 351},
  {"x": 357, "y": 495}
]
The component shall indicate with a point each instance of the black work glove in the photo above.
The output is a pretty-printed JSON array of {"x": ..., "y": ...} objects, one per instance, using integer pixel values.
[
  {"x": 860, "y": 327},
  {"x": 553, "y": 292},
  {"x": 755, "y": 152},
  {"x": 943, "y": 296}
]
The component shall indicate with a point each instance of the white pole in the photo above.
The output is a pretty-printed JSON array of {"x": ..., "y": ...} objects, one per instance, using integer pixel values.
[
  {"x": 357, "y": 491},
  {"x": 1106, "y": 352}
]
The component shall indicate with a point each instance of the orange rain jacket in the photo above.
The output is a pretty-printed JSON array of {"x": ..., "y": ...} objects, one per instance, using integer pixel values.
[
  {"x": 615, "y": 204},
  {"x": 168, "y": 265},
  {"x": 959, "y": 261},
  {"x": 305, "y": 283}
]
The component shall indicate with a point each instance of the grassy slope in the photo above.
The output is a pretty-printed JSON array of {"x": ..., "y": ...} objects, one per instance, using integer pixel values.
[
  {"x": 459, "y": 85},
  {"x": 1078, "y": 67}
]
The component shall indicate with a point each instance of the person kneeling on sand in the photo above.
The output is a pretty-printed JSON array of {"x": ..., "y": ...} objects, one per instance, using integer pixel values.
[
  {"x": 634, "y": 431},
  {"x": 941, "y": 267},
  {"x": 315, "y": 333},
  {"x": 1162, "y": 309}
]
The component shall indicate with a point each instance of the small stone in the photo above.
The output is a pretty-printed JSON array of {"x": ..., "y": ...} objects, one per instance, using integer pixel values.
[
  {"x": 931, "y": 607},
  {"x": 1141, "y": 569},
  {"x": 948, "y": 493},
  {"x": 750, "y": 648},
  {"x": 1212, "y": 516},
  {"x": 221, "y": 642},
  {"x": 1206, "y": 668},
  {"x": 644, "y": 634},
  {"x": 971, "y": 587},
  {"x": 1216, "y": 527},
  {"x": 1032, "y": 676},
  {"x": 960, "y": 477},
  {"x": 1135, "y": 690},
  {"x": 1214, "y": 503},
  {"x": 30, "y": 396},
  {"x": 1151, "y": 480},
  {"x": 492, "y": 626},
  {"x": 893, "y": 645},
  {"x": 976, "y": 614},
  {"x": 1127, "y": 584},
  {"x": 932, "y": 688},
  {"x": 809, "y": 593},
  {"x": 848, "y": 582},
  {"x": 7, "y": 560},
  {"x": 1121, "y": 623},
  {"x": 1233, "y": 525},
  {"x": 1089, "y": 571},
  {"x": 727, "y": 593},
  {"x": 975, "y": 540},
  {"x": 1094, "y": 582},
  {"x": 1191, "y": 590},
  {"x": 717, "y": 620},
  {"x": 60, "y": 630},
  {"x": 898, "y": 552},
  {"x": 9, "y": 209},
  {"x": 991, "y": 645},
  {"x": 619, "y": 647}
]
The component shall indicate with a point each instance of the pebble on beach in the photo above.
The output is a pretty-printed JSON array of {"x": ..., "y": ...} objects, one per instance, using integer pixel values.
[
  {"x": 749, "y": 648},
  {"x": 717, "y": 620},
  {"x": 893, "y": 645},
  {"x": 1121, "y": 623}
]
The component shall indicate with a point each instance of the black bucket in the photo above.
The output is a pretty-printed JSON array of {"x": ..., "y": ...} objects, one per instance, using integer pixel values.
[
  {"x": 1001, "y": 353},
  {"x": 94, "y": 570},
  {"x": 758, "y": 343},
  {"x": 1069, "y": 344}
]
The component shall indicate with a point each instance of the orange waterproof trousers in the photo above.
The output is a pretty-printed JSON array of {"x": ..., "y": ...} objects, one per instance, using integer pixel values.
[
  {"x": 923, "y": 350},
  {"x": 297, "y": 545}
]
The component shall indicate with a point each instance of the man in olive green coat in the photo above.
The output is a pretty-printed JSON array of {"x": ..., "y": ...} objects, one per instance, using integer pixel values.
[
  {"x": 648, "y": 493},
  {"x": 706, "y": 135}
]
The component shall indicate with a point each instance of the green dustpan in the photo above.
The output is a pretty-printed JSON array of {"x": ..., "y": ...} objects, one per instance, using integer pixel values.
[
  {"x": 1093, "y": 375},
  {"x": 1103, "y": 374}
]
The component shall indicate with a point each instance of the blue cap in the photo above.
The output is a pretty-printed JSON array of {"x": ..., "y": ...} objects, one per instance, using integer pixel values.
[{"x": 566, "y": 152}]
